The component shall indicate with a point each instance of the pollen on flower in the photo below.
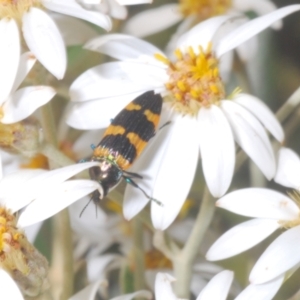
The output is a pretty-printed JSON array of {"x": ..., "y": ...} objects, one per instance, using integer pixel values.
[
  {"x": 15, "y": 9},
  {"x": 19, "y": 258},
  {"x": 204, "y": 9},
  {"x": 194, "y": 79}
]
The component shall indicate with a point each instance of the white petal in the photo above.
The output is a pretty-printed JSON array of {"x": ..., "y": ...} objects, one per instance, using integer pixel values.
[
  {"x": 163, "y": 288},
  {"x": 150, "y": 77},
  {"x": 148, "y": 166},
  {"x": 114, "y": 79},
  {"x": 1, "y": 167},
  {"x": 174, "y": 179},
  {"x": 97, "y": 114},
  {"x": 71, "y": 8},
  {"x": 241, "y": 238},
  {"x": 9, "y": 194},
  {"x": 264, "y": 291},
  {"x": 182, "y": 28},
  {"x": 27, "y": 60},
  {"x": 251, "y": 136},
  {"x": 217, "y": 149},
  {"x": 288, "y": 169},
  {"x": 218, "y": 287},
  {"x": 253, "y": 27},
  {"x": 32, "y": 231},
  {"x": 272, "y": 204},
  {"x": 279, "y": 257},
  {"x": 57, "y": 176},
  {"x": 247, "y": 50},
  {"x": 89, "y": 292},
  {"x": 25, "y": 101},
  {"x": 117, "y": 11},
  {"x": 259, "y": 7},
  {"x": 225, "y": 66},
  {"x": 142, "y": 24},
  {"x": 82, "y": 146},
  {"x": 201, "y": 34},
  {"x": 66, "y": 25},
  {"x": 45, "y": 41},
  {"x": 55, "y": 200},
  {"x": 9, "y": 56},
  {"x": 98, "y": 266},
  {"x": 32, "y": 183},
  {"x": 133, "y": 2},
  {"x": 8, "y": 287},
  {"x": 262, "y": 113},
  {"x": 125, "y": 47},
  {"x": 143, "y": 294}
]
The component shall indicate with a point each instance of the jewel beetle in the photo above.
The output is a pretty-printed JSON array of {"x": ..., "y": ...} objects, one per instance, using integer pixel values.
[{"x": 123, "y": 141}]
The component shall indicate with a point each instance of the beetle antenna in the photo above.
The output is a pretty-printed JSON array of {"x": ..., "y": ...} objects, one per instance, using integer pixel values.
[
  {"x": 85, "y": 206},
  {"x": 130, "y": 181}
]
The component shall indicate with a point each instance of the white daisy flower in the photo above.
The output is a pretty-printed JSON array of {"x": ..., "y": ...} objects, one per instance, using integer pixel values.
[
  {"x": 190, "y": 12},
  {"x": 16, "y": 105},
  {"x": 275, "y": 211},
  {"x": 202, "y": 116},
  {"x": 114, "y": 8},
  {"x": 40, "y": 32}
]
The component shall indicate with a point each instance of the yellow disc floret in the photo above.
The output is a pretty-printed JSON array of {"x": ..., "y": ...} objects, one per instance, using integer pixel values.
[
  {"x": 204, "y": 9},
  {"x": 194, "y": 79},
  {"x": 19, "y": 257},
  {"x": 15, "y": 9}
]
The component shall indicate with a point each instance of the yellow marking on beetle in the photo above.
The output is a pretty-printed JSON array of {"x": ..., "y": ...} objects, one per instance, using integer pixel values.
[
  {"x": 106, "y": 153},
  {"x": 114, "y": 130},
  {"x": 137, "y": 142},
  {"x": 101, "y": 152},
  {"x": 151, "y": 117},
  {"x": 133, "y": 106},
  {"x": 122, "y": 162}
]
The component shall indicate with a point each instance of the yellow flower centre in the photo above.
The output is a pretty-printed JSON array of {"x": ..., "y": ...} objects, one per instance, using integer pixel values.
[
  {"x": 15, "y": 9},
  {"x": 18, "y": 257},
  {"x": 194, "y": 80},
  {"x": 204, "y": 9},
  {"x": 11, "y": 240}
]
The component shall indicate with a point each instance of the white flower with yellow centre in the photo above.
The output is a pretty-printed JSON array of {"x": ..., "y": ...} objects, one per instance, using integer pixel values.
[
  {"x": 202, "y": 116},
  {"x": 191, "y": 12},
  {"x": 272, "y": 210},
  {"x": 40, "y": 32}
]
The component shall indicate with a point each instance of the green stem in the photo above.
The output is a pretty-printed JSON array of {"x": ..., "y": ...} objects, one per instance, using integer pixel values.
[
  {"x": 61, "y": 271},
  {"x": 183, "y": 262},
  {"x": 138, "y": 254},
  {"x": 62, "y": 258},
  {"x": 289, "y": 106},
  {"x": 48, "y": 123}
]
